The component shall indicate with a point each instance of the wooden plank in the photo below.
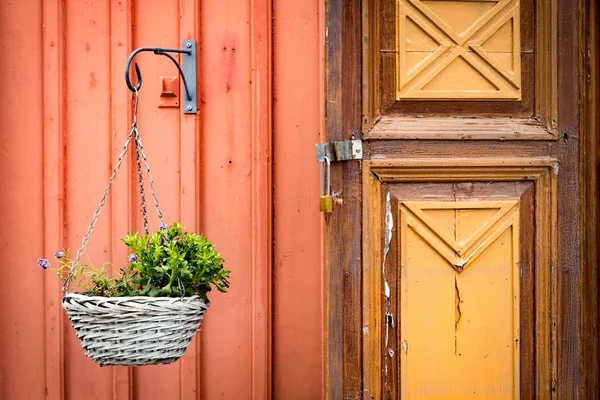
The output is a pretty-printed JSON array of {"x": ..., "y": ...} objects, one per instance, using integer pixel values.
[
  {"x": 262, "y": 202},
  {"x": 53, "y": 114},
  {"x": 374, "y": 207},
  {"x": 590, "y": 128},
  {"x": 449, "y": 128},
  {"x": 297, "y": 313},
  {"x": 225, "y": 184},
  {"x": 189, "y": 167},
  {"x": 87, "y": 158},
  {"x": 347, "y": 177},
  {"x": 467, "y": 148},
  {"x": 567, "y": 96},
  {"x": 333, "y": 291},
  {"x": 29, "y": 308},
  {"x": 527, "y": 317},
  {"x": 343, "y": 230},
  {"x": 120, "y": 199},
  {"x": 160, "y": 132}
]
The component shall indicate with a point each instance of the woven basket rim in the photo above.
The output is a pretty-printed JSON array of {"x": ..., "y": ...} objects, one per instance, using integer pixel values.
[{"x": 187, "y": 299}]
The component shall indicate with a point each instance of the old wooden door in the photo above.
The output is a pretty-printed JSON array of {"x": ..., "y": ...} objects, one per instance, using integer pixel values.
[{"x": 453, "y": 252}]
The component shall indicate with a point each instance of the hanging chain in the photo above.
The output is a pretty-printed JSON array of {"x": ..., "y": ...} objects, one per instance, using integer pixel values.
[
  {"x": 96, "y": 215},
  {"x": 134, "y": 136},
  {"x": 138, "y": 143},
  {"x": 141, "y": 184}
]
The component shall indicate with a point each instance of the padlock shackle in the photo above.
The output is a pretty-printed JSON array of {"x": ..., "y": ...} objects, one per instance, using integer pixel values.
[{"x": 326, "y": 177}]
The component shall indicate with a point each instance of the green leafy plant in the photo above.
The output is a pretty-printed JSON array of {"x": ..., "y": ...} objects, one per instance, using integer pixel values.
[{"x": 169, "y": 263}]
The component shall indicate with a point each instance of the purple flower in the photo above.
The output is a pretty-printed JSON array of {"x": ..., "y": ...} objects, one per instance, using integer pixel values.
[
  {"x": 43, "y": 263},
  {"x": 133, "y": 258},
  {"x": 162, "y": 226},
  {"x": 59, "y": 254}
]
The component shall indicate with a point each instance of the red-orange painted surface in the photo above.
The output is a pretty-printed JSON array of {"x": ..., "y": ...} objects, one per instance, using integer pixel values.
[{"x": 242, "y": 171}]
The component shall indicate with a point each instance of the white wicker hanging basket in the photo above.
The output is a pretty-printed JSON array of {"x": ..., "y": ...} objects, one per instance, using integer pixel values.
[
  {"x": 133, "y": 331},
  {"x": 137, "y": 330}
]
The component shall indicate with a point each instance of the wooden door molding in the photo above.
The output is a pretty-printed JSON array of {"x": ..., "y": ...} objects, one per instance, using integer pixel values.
[
  {"x": 381, "y": 110},
  {"x": 540, "y": 350},
  {"x": 457, "y": 42}
]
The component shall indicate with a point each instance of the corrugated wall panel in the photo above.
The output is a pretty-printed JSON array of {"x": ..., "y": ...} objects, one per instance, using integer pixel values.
[
  {"x": 65, "y": 113},
  {"x": 297, "y": 298},
  {"x": 87, "y": 164},
  {"x": 21, "y": 202},
  {"x": 226, "y": 192},
  {"x": 157, "y": 25}
]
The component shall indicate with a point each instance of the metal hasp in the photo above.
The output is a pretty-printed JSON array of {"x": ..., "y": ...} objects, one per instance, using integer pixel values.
[
  {"x": 345, "y": 150},
  {"x": 188, "y": 73}
]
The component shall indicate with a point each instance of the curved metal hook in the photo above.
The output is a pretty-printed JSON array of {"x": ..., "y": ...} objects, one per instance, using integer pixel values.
[
  {"x": 161, "y": 52},
  {"x": 139, "y": 78}
]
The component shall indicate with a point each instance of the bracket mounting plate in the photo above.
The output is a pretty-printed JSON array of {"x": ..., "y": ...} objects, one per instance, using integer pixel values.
[{"x": 189, "y": 71}]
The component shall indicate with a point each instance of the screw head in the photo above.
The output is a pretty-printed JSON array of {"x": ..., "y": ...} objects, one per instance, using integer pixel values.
[
  {"x": 188, "y": 45},
  {"x": 189, "y": 108}
]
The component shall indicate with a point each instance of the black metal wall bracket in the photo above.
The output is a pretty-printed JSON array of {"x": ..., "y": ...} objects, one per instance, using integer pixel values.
[{"x": 188, "y": 73}]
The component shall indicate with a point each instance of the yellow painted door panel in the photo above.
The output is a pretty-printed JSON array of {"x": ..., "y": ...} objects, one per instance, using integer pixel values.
[
  {"x": 458, "y": 49},
  {"x": 457, "y": 289},
  {"x": 459, "y": 300}
]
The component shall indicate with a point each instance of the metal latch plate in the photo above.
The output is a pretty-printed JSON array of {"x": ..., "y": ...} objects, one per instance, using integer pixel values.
[{"x": 340, "y": 151}]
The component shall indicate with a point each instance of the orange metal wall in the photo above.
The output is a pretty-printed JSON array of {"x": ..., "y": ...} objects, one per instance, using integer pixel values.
[{"x": 242, "y": 171}]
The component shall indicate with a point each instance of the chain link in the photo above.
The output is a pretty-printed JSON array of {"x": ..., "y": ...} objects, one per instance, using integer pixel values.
[
  {"x": 139, "y": 145},
  {"x": 134, "y": 136},
  {"x": 141, "y": 183}
]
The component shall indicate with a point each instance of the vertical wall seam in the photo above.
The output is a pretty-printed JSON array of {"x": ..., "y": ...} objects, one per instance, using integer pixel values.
[
  {"x": 180, "y": 185},
  {"x": 197, "y": 158}
]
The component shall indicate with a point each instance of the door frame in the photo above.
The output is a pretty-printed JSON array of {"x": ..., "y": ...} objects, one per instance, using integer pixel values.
[{"x": 578, "y": 106}]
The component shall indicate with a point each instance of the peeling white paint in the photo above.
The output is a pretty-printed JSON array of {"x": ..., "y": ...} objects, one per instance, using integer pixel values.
[
  {"x": 389, "y": 226},
  {"x": 366, "y": 330},
  {"x": 405, "y": 346}
]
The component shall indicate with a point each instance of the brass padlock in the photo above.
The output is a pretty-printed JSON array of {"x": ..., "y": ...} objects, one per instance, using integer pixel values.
[
  {"x": 326, "y": 204},
  {"x": 325, "y": 200}
]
